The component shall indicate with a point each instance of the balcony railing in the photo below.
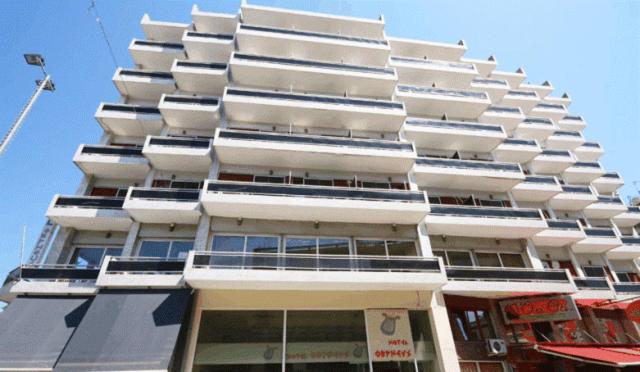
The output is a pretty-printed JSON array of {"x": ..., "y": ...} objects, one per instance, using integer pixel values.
[
  {"x": 144, "y": 266},
  {"x": 295, "y": 262},
  {"x": 209, "y": 66},
  {"x": 485, "y": 212},
  {"x": 306, "y": 63},
  {"x": 134, "y": 109},
  {"x": 542, "y": 121},
  {"x": 58, "y": 273},
  {"x": 209, "y": 35},
  {"x": 550, "y": 106},
  {"x": 609, "y": 199},
  {"x": 630, "y": 240},
  {"x": 562, "y": 153},
  {"x": 315, "y": 98},
  {"x": 315, "y": 192},
  {"x": 522, "y": 93},
  {"x": 149, "y": 74},
  {"x": 600, "y": 232},
  {"x": 442, "y": 92},
  {"x": 192, "y": 100},
  {"x": 576, "y": 189},
  {"x": 541, "y": 179},
  {"x": 468, "y": 164},
  {"x": 591, "y": 144},
  {"x": 490, "y": 81},
  {"x": 563, "y": 225},
  {"x": 180, "y": 142},
  {"x": 97, "y": 202},
  {"x": 611, "y": 175},
  {"x": 592, "y": 283},
  {"x": 519, "y": 142},
  {"x": 504, "y": 274},
  {"x": 583, "y": 164},
  {"x": 159, "y": 44},
  {"x": 316, "y": 140},
  {"x": 503, "y": 109},
  {"x": 312, "y": 34},
  {"x": 112, "y": 150},
  {"x": 567, "y": 133},
  {"x": 459, "y": 125},
  {"x": 179, "y": 195},
  {"x": 465, "y": 66},
  {"x": 627, "y": 287},
  {"x": 573, "y": 117}
]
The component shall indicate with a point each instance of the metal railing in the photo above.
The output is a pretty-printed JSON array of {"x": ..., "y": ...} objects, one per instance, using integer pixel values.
[
  {"x": 504, "y": 109},
  {"x": 490, "y": 81},
  {"x": 519, "y": 142},
  {"x": 111, "y": 150},
  {"x": 563, "y": 153},
  {"x": 98, "y": 202},
  {"x": 210, "y": 35},
  {"x": 206, "y": 101},
  {"x": 551, "y": 106},
  {"x": 592, "y": 283},
  {"x": 136, "y": 109},
  {"x": 307, "y": 63},
  {"x": 541, "y": 179},
  {"x": 179, "y": 195},
  {"x": 576, "y": 189},
  {"x": 600, "y": 232},
  {"x": 180, "y": 142},
  {"x": 630, "y": 240},
  {"x": 308, "y": 262},
  {"x": 584, "y": 164},
  {"x": 567, "y": 133},
  {"x": 442, "y": 92},
  {"x": 506, "y": 274},
  {"x": 609, "y": 199},
  {"x": 453, "y": 125},
  {"x": 54, "y": 272},
  {"x": 150, "y": 74},
  {"x": 210, "y": 66},
  {"x": 611, "y": 175},
  {"x": 144, "y": 266},
  {"x": 573, "y": 117},
  {"x": 591, "y": 144},
  {"x": 486, "y": 212},
  {"x": 534, "y": 120},
  {"x": 469, "y": 164},
  {"x": 435, "y": 62},
  {"x": 522, "y": 93},
  {"x": 627, "y": 287},
  {"x": 159, "y": 44},
  {"x": 563, "y": 224},
  {"x": 312, "y": 34},
  {"x": 249, "y": 188}
]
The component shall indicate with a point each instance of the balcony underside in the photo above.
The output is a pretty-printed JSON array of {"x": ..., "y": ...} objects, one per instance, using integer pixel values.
[
  {"x": 625, "y": 252},
  {"x": 594, "y": 244},
  {"x": 183, "y": 159},
  {"x": 558, "y": 238},
  {"x": 544, "y": 164},
  {"x": 453, "y": 139},
  {"x": 580, "y": 175},
  {"x": 533, "y": 131},
  {"x": 515, "y": 153},
  {"x": 438, "y": 105},
  {"x": 535, "y": 192},
  {"x": 109, "y": 166},
  {"x": 504, "y": 289},
  {"x": 503, "y": 228},
  {"x": 426, "y": 75},
  {"x": 572, "y": 201},
  {"x": 94, "y": 219},
  {"x": 588, "y": 154},
  {"x": 143, "y": 88},
  {"x": 181, "y": 115},
  {"x": 54, "y": 287},
  {"x": 509, "y": 121},
  {"x": 525, "y": 103},
  {"x": 200, "y": 80},
  {"x": 207, "y": 49},
  {"x": 466, "y": 179},
  {"x": 627, "y": 219},
  {"x": 129, "y": 124},
  {"x": 564, "y": 142},
  {"x": 606, "y": 185},
  {"x": 552, "y": 114},
  {"x": 163, "y": 211},
  {"x": 155, "y": 58},
  {"x": 604, "y": 210}
]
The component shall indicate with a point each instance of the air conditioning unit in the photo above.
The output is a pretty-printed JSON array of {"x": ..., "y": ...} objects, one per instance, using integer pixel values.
[{"x": 496, "y": 346}]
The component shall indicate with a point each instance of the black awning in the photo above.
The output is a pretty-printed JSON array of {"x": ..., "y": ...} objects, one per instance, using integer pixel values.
[
  {"x": 127, "y": 330},
  {"x": 34, "y": 330}
]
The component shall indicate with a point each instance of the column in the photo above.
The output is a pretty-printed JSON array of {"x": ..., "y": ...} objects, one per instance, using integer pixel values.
[
  {"x": 442, "y": 335},
  {"x": 605, "y": 259},
  {"x": 532, "y": 253},
  {"x": 575, "y": 263},
  {"x": 129, "y": 244},
  {"x": 56, "y": 252}
]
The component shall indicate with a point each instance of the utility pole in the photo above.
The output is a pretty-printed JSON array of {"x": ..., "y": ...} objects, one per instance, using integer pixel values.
[{"x": 44, "y": 84}]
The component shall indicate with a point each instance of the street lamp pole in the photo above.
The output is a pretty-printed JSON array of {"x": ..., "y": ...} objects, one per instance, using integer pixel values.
[{"x": 41, "y": 85}]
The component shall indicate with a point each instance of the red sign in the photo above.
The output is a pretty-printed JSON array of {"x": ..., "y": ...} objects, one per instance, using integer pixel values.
[
  {"x": 633, "y": 311},
  {"x": 539, "y": 309}
]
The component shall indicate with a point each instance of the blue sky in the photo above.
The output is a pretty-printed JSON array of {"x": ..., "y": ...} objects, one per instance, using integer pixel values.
[{"x": 590, "y": 49}]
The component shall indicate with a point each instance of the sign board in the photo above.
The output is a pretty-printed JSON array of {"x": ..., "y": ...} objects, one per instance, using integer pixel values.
[
  {"x": 539, "y": 309},
  {"x": 633, "y": 311},
  {"x": 389, "y": 335}
]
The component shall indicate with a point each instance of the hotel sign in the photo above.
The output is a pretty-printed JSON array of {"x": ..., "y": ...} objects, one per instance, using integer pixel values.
[
  {"x": 539, "y": 309},
  {"x": 389, "y": 335}
]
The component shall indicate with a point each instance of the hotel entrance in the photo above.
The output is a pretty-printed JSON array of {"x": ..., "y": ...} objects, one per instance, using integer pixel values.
[{"x": 314, "y": 340}]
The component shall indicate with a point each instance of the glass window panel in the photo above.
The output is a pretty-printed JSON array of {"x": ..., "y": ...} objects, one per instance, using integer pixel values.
[
  {"x": 113, "y": 252},
  {"x": 316, "y": 182},
  {"x": 262, "y": 244},
  {"x": 488, "y": 259},
  {"x": 185, "y": 185},
  {"x": 401, "y": 248},
  {"x": 180, "y": 249},
  {"x": 441, "y": 254},
  {"x": 87, "y": 257},
  {"x": 423, "y": 340},
  {"x": 370, "y": 248},
  {"x": 459, "y": 258},
  {"x": 473, "y": 327},
  {"x": 460, "y": 331},
  {"x": 227, "y": 243},
  {"x": 300, "y": 246},
  {"x": 512, "y": 260},
  {"x": 623, "y": 277},
  {"x": 485, "y": 324},
  {"x": 153, "y": 248},
  {"x": 333, "y": 246}
]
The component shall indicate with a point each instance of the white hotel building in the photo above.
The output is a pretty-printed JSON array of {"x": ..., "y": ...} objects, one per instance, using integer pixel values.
[{"x": 279, "y": 190}]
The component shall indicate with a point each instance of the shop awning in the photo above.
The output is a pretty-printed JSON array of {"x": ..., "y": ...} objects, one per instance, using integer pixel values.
[
  {"x": 34, "y": 330},
  {"x": 615, "y": 355},
  {"x": 127, "y": 330}
]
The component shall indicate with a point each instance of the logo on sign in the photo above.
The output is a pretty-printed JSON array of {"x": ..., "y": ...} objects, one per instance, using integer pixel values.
[
  {"x": 388, "y": 325},
  {"x": 389, "y": 335},
  {"x": 539, "y": 309}
]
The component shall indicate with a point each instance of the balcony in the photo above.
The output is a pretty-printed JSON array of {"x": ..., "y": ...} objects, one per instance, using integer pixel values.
[
  {"x": 551, "y": 111},
  {"x": 56, "y": 280},
  {"x": 552, "y": 162},
  {"x": 129, "y": 120},
  {"x": 162, "y": 31},
  {"x": 513, "y": 78},
  {"x": 543, "y": 90},
  {"x": 313, "y": 152},
  {"x": 167, "y": 206},
  {"x": 605, "y": 207},
  {"x": 426, "y": 72},
  {"x": 628, "y": 218},
  {"x": 525, "y": 100},
  {"x": 200, "y": 78},
  {"x": 179, "y": 153},
  {"x": 594, "y": 288},
  {"x": 315, "y": 46},
  {"x": 429, "y": 101},
  {"x": 141, "y": 272},
  {"x": 218, "y": 23},
  {"x": 508, "y": 117},
  {"x": 429, "y": 49},
  {"x": 559, "y": 234},
  {"x": 143, "y": 85},
  {"x": 572, "y": 122},
  {"x": 467, "y": 174},
  {"x": 536, "y": 189},
  {"x": 484, "y": 222},
  {"x": 589, "y": 152},
  {"x": 194, "y": 112},
  {"x": 155, "y": 55},
  {"x": 630, "y": 249},
  {"x": 495, "y": 88},
  {"x": 573, "y": 198},
  {"x": 565, "y": 140},
  {"x": 122, "y": 162},
  {"x": 89, "y": 213},
  {"x": 583, "y": 172},
  {"x": 598, "y": 240},
  {"x": 312, "y": 76},
  {"x": 313, "y": 203},
  {"x": 608, "y": 183},
  {"x": 484, "y": 66},
  {"x": 306, "y": 110},
  {"x": 538, "y": 129},
  {"x": 453, "y": 135},
  {"x": 209, "y": 47},
  {"x": 514, "y": 150},
  {"x": 627, "y": 289},
  {"x": 502, "y": 281},
  {"x": 304, "y": 272}
]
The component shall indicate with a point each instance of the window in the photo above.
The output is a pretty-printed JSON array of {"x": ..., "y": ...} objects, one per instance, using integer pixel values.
[
  {"x": 92, "y": 256},
  {"x": 109, "y": 191},
  {"x": 374, "y": 247},
  {"x": 512, "y": 260},
  {"x": 165, "y": 248},
  {"x": 488, "y": 259},
  {"x": 173, "y": 184},
  {"x": 627, "y": 277},
  {"x": 471, "y": 325},
  {"x": 313, "y": 245},
  {"x": 248, "y": 244},
  {"x": 459, "y": 258}
]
